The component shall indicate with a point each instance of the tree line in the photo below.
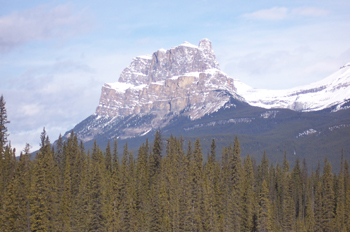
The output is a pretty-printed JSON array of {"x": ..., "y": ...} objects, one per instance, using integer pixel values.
[{"x": 66, "y": 188}]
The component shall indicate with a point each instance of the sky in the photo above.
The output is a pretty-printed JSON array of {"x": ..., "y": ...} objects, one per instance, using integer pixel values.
[{"x": 56, "y": 55}]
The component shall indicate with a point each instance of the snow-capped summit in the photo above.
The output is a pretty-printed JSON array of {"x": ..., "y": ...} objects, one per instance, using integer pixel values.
[
  {"x": 348, "y": 64},
  {"x": 185, "y": 79},
  {"x": 164, "y": 64},
  {"x": 333, "y": 90}
]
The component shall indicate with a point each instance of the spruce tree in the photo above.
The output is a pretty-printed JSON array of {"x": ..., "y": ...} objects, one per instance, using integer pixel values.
[
  {"x": 288, "y": 205},
  {"x": 3, "y": 122},
  {"x": 297, "y": 191},
  {"x": 82, "y": 202},
  {"x": 264, "y": 217},
  {"x": 39, "y": 206},
  {"x": 142, "y": 186},
  {"x": 340, "y": 198},
  {"x": 197, "y": 185},
  {"x": 108, "y": 158},
  {"x": 66, "y": 201},
  {"x": 44, "y": 189},
  {"x": 156, "y": 155},
  {"x": 309, "y": 210},
  {"x": 115, "y": 200},
  {"x": 59, "y": 156},
  {"x": 327, "y": 197},
  {"x": 318, "y": 207},
  {"x": 211, "y": 184},
  {"x": 185, "y": 202},
  {"x": 347, "y": 197},
  {"x": 97, "y": 218},
  {"x": 124, "y": 207},
  {"x": 247, "y": 196},
  {"x": 22, "y": 190},
  {"x": 236, "y": 181}
]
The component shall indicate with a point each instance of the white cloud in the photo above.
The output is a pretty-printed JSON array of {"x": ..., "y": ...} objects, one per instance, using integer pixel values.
[
  {"x": 56, "y": 94},
  {"x": 281, "y": 13},
  {"x": 275, "y": 13},
  {"x": 309, "y": 11},
  {"x": 31, "y": 109},
  {"x": 143, "y": 40},
  {"x": 41, "y": 23}
]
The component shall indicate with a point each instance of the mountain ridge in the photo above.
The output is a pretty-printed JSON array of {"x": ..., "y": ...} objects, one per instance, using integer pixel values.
[
  {"x": 182, "y": 91},
  {"x": 328, "y": 92}
]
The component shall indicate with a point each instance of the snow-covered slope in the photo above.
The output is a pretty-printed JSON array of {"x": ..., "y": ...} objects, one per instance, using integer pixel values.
[{"x": 334, "y": 90}]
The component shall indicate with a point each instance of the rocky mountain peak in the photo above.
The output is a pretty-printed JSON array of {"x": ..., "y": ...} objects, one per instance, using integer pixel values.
[
  {"x": 164, "y": 64},
  {"x": 205, "y": 44},
  {"x": 185, "y": 80}
]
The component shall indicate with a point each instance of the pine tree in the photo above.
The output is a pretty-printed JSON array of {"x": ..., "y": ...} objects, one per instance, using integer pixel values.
[
  {"x": 82, "y": 201},
  {"x": 44, "y": 198},
  {"x": 7, "y": 187},
  {"x": 279, "y": 188},
  {"x": 124, "y": 208},
  {"x": 39, "y": 206},
  {"x": 185, "y": 201},
  {"x": 142, "y": 186},
  {"x": 318, "y": 207},
  {"x": 115, "y": 197},
  {"x": 225, "y": 187},
  {"x": 288, "y": 206},
  {"x": 164, "y": 201},
  {"x": 97, "y": 218},
  {"x": 264, "y": 217},
  {"x": 59, "y": 156},
  {"x": 309, "y": 211},
  {"x": 108, "y": 158},
  {"x": 236, "y": 181},
  {"x": 263, "y": 170},
  {"x": 156, "y": 155},
  {"x": 23, "y": 178},
  {"x": 297, "y": 192},
  {"x": 305, "y": 187},
  {"x": 197, "y": 185},
  {"x": 211, "y": 183},
  {"x": 247, "y": 199},
  {"x": 327, "y": 197},
  {"x": 285, "y": 163},
  {"x": 347, "y": 196},
  {"x": 66, "y": 202},
  {"x": 340, "y": 198},
  {"x": 3, "y": 122},
  {"x": 74, "y": 161},
  {"x": 10, "y": 203}
]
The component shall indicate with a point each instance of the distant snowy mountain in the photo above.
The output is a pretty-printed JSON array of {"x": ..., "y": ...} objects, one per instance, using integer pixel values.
[
  {"x": 186, "y": 81},
  {"x": 333, "y": 91}
]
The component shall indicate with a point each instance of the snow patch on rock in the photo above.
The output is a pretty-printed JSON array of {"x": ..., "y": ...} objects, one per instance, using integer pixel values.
[{"x": 306, "y": 132}]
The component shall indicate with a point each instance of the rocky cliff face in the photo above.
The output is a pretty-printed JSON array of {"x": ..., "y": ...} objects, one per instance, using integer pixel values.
[
  {"x": 184, "y": 80},
  {"x": 164, "y": 64}
]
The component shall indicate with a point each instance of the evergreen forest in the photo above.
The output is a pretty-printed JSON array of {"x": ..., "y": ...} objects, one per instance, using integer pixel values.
[{"x": 165, "y": 185}]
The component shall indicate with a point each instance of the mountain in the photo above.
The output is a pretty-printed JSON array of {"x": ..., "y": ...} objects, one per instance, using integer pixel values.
[
  {"x": 182, "y": 91},
  {"x": 185, "y": 80},
  {"x": 329, "y": 92}
]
